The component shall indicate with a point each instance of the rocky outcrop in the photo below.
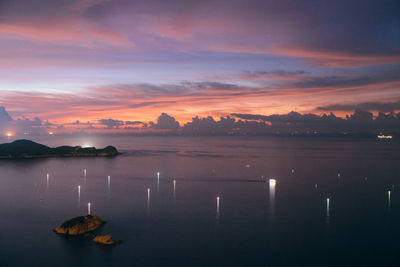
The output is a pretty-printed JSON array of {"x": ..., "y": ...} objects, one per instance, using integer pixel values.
[
  {"x": 29, "y": 149},
  {"x": 80, "y": 225},
  {"x": 105, "y": 240}
]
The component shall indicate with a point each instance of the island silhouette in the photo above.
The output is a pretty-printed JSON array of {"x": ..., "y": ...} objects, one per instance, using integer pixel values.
[{"x": 23, "y": 149}]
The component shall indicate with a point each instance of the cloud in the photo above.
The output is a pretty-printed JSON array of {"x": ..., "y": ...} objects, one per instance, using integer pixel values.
[
  {"x": 165, "y": 122},
  {"x": 375, "y": 106},
  {"x": 335, "y": 59},
  {"x": 273, "y": 74},
  {"x": 312, "y": 30},
  {"x": 4, "y": 116},
  {"x": 150, "y": 103},
  {"x": 358, "y": 122},
  {"x": 23, "y": 125},
  {"x": 352, "y": 80},
  {"x": 111, "y": 123},
  {"x": 239, "y": 123}
]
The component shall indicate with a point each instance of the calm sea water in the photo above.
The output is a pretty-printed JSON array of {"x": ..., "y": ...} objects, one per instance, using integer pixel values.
[{"x": 257, "y": 223}]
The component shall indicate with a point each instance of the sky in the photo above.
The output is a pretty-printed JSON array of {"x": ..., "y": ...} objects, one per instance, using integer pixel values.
[{"x": 93, "y": 61}]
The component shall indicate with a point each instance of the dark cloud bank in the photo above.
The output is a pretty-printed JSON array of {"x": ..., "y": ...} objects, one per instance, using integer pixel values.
[{"x": 293, "y": 123}]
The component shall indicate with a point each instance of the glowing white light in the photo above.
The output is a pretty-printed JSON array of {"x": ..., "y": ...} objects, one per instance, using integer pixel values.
[
  {"x": 158, "y": 181},
  {"x": 84, "y": 176},
  {"x": 9, "y": 134},
  {"x": 338, "y": 175},
  {"x": 217, "y": 208},
  {"x": 47, "y": 180},
  {"x": 174, "y": 188},
  {"x": 148, "y": 201},
  {"x": 272, "y": 184},
  {"x": 327, "y": 206},
  {"x": 389, "y": 198},
  {"x": 316, "y": 186},
  {"x": 108, "y": 182},
  {"x": 87, "y": 145},
  {"x": 88, "y": 206},
  {"x": 79, "y": 192}
]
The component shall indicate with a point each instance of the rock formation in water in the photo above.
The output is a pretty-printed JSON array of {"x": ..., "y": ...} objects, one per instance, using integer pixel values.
[
  {"x": 29, "y": 149},
  {"x": 105, "y": 240},
  {"x": 80, "y": 225}
]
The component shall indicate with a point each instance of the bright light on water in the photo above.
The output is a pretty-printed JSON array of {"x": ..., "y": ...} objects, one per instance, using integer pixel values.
[
  {"x": 272, "y": 185},
  {"x": 174, "y": 188},
  {"x": 88, "y": 206},
  {"x": 148, "y": 201},
  {"x": 84, "y": 176},
  {"x": 327, "y": 206},
  {"x": 217, "y": 208}
]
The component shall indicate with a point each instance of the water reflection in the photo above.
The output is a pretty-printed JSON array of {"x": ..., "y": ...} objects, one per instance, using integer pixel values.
[
  {"x": 158, "y": 181},
  {"x": 148, "y": 201},
  {"x": 272, "y": 185},
  {"x": 174, "y": 191},
  {"x": 217, "y": 214},
  {"x": 327, "y": 207},
  {"x": 248, "y": 220},
  {"x": 84, "y": 176},
  {"x": 108, "y": 183},
  {"x": 47, "y": 181}
]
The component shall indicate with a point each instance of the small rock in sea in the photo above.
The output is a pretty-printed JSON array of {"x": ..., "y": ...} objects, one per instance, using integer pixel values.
[
  {"x": 80, "y": 225},
  {"x": 104, "y": 239}
]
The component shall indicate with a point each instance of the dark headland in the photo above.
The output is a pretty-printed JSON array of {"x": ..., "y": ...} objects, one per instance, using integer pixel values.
[{"x": 23, "y": 149}]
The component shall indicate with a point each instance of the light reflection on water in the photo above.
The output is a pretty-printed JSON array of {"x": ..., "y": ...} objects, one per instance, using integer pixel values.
[{"x": 215, "y": 184}]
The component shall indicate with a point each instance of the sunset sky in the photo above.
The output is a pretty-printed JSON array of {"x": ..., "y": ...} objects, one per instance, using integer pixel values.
[{"x": 87, "y": 60}]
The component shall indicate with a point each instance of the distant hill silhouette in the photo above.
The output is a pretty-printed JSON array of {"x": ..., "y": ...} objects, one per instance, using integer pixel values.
[{"x": 29, "y": 149}]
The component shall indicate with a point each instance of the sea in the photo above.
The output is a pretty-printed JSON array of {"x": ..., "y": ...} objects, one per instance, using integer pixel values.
[{"x": 207, "y": 201}]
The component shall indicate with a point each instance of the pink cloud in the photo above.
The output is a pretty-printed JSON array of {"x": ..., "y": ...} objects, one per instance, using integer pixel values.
[{"x": 72, "y": 31}]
